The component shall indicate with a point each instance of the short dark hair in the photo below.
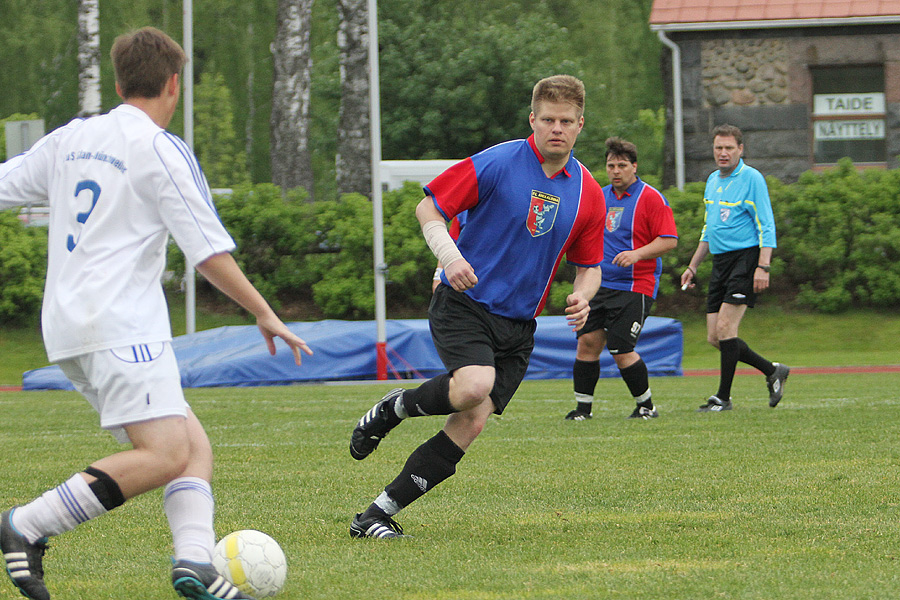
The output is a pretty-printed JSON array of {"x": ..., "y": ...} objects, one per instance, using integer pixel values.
[
  {"x": 144, "y": 60},
  {"x": 726, "y": 130},
  {"x": 559, "y": 88},
  {"x": 616, "y": 146}
]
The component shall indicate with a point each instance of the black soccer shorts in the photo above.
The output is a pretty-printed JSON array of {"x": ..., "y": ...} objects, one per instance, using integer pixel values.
[
  {"x": 621, "y": 314},
  {"x": 465, "y": 334}
]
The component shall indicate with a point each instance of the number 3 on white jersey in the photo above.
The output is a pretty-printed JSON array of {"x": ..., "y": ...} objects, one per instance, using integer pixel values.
[{"x": 94, "y": 188}]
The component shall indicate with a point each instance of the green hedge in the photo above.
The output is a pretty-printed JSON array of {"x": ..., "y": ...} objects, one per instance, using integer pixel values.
[
  {"x": 23, "y": 266},
  {"x": 838, "y": 247}
]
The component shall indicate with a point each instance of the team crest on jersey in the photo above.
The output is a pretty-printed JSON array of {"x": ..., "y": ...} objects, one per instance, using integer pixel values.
[
  {"x": 541, "y": 213},
  {"x": 724, "y": 213},
  {"x": 614, "y": 217}
]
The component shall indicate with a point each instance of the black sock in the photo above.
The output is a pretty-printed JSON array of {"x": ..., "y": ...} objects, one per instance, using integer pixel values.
[
  {"x": 428, "y": 465},
  {"x": 585, "y": 375},
  {"x": 753, "y": 359},
  {"x": 430, "y": 398},
  {"x": 729, "y": 351},
  {"x": 637, "y": 379}
]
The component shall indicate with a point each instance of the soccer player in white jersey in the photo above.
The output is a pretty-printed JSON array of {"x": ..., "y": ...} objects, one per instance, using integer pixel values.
[{"x": 118, "y": 184}]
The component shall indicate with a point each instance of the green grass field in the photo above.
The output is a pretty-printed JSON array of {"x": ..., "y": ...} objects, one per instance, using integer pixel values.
[{"x": 796, "y": 502}]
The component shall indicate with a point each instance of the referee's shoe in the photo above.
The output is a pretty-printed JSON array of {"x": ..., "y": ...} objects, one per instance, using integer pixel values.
[
  {"x": 24, "y": 560},
  {"x": 775, "y": 382},
  {"x": 374, "y": 425}
]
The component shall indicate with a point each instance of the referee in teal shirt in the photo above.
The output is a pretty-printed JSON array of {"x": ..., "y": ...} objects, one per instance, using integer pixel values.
[{"x": 739, "y": 232}]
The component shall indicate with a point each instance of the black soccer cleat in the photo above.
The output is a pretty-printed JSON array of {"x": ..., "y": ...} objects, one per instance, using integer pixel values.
[
  {"x": 375, "y": 527},
  {"x": 714, "y": 404},
  {"x": 373, "y": 426},
  {"x": 775, "y": 382},
  {"x": 24, "y": 561},
  {"x": 577, "y": 415},
  {"x": 641, "y": 412},
  {"x": 201, "y": 581}
]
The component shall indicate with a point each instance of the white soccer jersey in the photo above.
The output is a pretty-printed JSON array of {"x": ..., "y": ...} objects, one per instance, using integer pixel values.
[{"x": 117, "y": 185}]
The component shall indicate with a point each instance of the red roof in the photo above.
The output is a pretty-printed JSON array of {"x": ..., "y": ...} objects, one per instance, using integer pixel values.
[{"x": 675, "y": 12}]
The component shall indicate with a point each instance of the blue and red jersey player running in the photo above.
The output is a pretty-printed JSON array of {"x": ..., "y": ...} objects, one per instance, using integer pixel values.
[{"x": 528, "y": 204}]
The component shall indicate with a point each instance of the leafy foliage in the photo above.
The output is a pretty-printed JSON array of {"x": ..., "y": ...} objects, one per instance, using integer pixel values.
[
  {"x": 23, "y": 266},
  {"x": 273, "y": 236},
  {"x": 456, "y": 77},
  {"x": 215, "y": 142},
  {"x": 841, "y": 232},
  {"x": 454, "y": 94}
]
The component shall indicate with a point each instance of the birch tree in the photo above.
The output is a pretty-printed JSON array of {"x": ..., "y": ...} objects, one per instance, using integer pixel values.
[
  {"x": 353, "y": 165},
  {"x": 88, "y": 57},
  {"x": 292, "y": 75}
]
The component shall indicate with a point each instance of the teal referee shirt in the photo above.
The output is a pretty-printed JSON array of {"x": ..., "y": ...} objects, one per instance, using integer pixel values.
[{"x": 738, "y": 211}]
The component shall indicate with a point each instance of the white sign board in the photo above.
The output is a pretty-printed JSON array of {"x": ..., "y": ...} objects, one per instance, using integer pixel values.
[
  {"x": 21, "y": 135},
  {"x": 870, "y": 103},
  {"x": 857, "y": 129}
]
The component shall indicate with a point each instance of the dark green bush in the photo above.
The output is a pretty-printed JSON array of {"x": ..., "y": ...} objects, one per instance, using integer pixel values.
[
  {"x": 839, "y": 237},
  {"x": 23, "y": 266}
]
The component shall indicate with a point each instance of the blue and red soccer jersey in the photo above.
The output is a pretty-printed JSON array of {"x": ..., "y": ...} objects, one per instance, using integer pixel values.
[
  {"x": 640, "y": 216},
  {"x": 520, "y": 223}
]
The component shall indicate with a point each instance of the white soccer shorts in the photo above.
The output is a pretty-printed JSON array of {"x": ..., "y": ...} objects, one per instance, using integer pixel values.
[{"x": 129, "y": 385}]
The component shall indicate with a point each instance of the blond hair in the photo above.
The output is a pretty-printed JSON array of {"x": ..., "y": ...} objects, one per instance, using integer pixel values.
[{"x": 559, "y": 88}]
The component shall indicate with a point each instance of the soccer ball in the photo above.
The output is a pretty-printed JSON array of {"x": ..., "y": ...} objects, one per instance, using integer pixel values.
[{"x": 252, "y": 561}]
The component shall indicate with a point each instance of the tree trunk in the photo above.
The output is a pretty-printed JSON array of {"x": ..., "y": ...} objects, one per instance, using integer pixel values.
[
  {"x": 353, "y": 163},
  {"x": 292, "y": 64},
  {"x": 251, "y": 100},
  {"x": 88, "y": 57}
]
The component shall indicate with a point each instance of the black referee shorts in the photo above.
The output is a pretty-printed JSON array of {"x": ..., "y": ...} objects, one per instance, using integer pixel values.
[
  {"x": 731, "y": 281},
  {"x": 465, "y": 334}
]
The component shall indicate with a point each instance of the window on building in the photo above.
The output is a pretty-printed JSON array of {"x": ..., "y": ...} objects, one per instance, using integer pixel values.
[{"x": 848, "y": 114}]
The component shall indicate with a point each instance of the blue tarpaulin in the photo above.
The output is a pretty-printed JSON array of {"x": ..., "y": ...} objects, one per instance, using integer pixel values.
[{"x": 345, "y": 350}]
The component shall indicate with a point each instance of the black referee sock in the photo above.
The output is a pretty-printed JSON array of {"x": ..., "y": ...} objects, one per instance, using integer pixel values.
[
  {"x": 729, "y": 352},
  {"x": 753, "y": 359},
  {"x": 430, "y": 398},
  {"x": 428, "y": 465}
]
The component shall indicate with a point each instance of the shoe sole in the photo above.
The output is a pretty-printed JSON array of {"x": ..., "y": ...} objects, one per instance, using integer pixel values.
[{"x": 361, "y": 455}]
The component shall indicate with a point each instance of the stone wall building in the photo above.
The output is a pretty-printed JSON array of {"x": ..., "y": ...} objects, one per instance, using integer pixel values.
[{"x": 807, "y": 81}]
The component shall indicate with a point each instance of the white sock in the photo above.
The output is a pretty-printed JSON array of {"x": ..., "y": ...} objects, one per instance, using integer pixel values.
[
  {"x": 400, "y": 408},
  {"x": 387, "y": 504},
  {"x": 58, "y": 510},
  {"x": 189, "y": 506}
]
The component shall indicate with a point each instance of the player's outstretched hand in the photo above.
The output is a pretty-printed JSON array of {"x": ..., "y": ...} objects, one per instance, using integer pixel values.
[
  {"x": 461, "y": 275},
  {"x": 272, "y": 327},
  {"x": 577, "y": 311}
]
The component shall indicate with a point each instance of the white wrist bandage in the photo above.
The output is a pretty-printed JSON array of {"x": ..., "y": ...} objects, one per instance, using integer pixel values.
[
  {"x": 437, "y": 274},
  {"x": 438, "y": 239}
]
